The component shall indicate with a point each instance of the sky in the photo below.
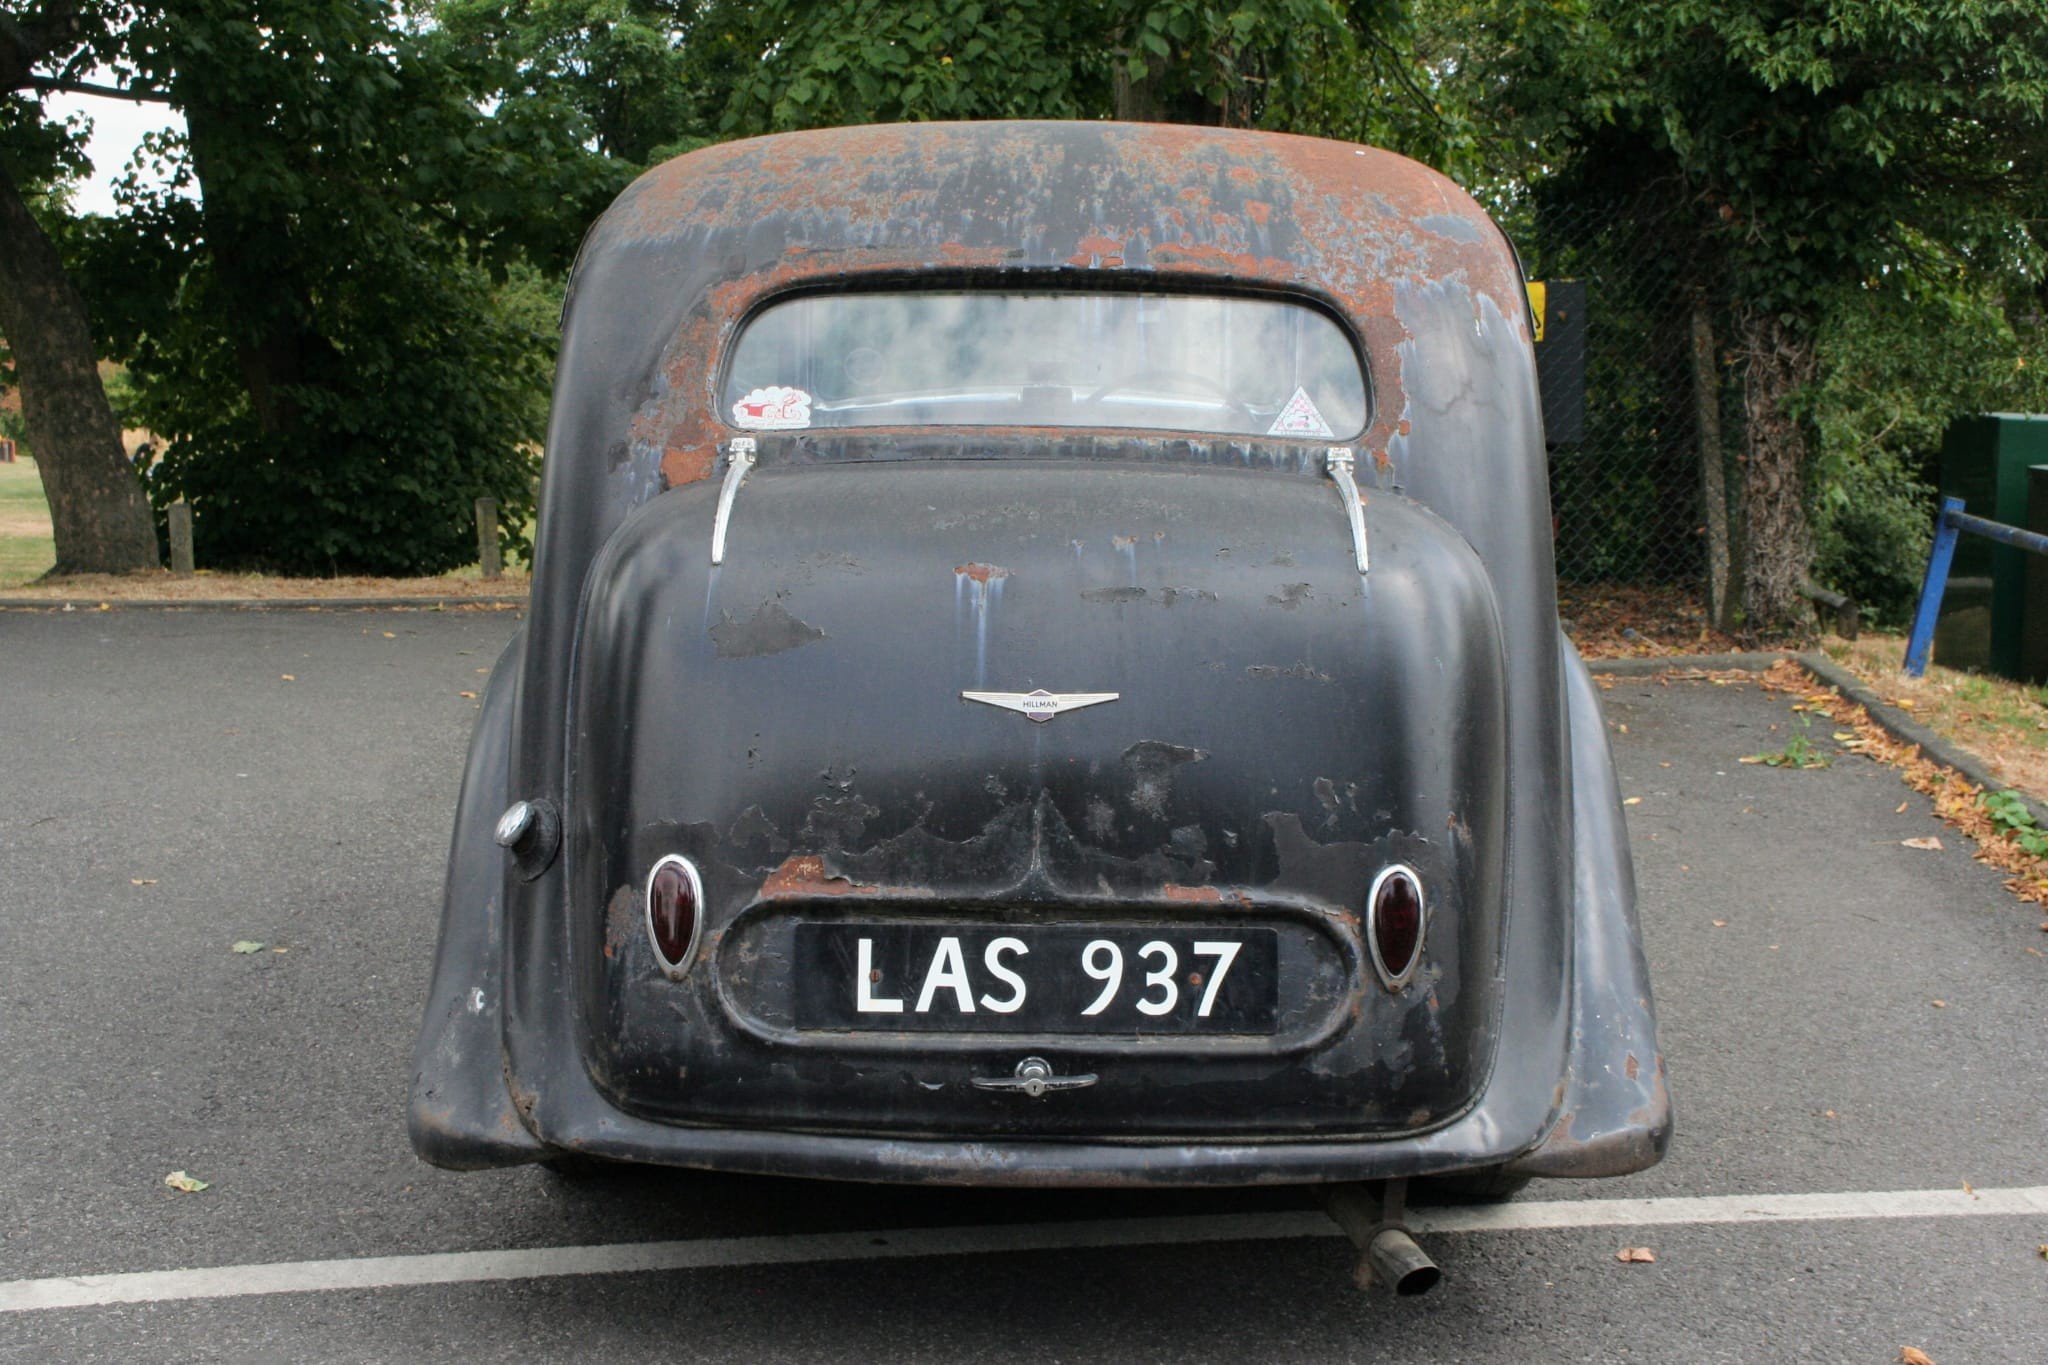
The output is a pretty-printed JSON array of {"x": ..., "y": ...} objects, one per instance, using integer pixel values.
[{"x": 118, "y": 126}]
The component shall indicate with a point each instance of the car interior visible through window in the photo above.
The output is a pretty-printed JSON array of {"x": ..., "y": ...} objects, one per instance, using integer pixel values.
[{"x": 1221, "y": 365}]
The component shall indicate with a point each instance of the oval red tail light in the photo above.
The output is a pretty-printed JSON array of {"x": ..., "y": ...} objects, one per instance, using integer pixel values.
[
  {"x": 1394, "y": 924},
  {"x": 675, "y": 900}
]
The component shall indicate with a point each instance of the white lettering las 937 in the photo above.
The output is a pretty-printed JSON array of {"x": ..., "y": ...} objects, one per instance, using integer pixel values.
[{"x": 947, "y": 983}]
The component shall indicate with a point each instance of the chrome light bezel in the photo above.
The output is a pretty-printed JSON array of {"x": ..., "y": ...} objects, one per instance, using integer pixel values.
[
  {"x": 1390, "y": 980},
  {"x": 676, "y": 970}
]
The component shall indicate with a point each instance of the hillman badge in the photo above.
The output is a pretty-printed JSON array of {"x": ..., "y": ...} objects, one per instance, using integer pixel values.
[{"x": 1041, "y": 706}]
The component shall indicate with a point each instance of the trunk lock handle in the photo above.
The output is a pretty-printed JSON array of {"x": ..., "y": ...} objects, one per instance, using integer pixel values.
[{"x": 1034, "y": 1077}]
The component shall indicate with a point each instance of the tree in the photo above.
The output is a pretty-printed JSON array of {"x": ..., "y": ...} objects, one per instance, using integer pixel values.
[
  {"x": 98, "y": 515},
  {"x": 1338, "y": 68},
  {"x": 1820, "y": 146},
  {"x": 316, "y": 334}
]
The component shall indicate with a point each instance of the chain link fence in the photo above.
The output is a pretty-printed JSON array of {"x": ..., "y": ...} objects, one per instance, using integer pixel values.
[{"x": 1627, "y": 481}]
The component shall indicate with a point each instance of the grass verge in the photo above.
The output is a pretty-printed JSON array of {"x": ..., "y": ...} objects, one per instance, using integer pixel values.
[{"x": 26, "y": 550}]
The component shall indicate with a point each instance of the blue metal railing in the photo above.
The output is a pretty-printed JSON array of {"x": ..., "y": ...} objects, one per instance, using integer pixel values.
[{"x": 1953, "y": 521}]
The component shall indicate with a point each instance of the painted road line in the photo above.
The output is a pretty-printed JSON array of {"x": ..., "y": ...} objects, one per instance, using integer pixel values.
[{"x": 469, "y": 1267}]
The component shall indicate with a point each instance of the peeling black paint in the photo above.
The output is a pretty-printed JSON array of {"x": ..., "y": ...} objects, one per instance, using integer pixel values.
[{"x": 770, "y": 630}]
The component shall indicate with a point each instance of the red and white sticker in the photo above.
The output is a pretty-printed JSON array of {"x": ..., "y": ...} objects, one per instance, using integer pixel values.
[
  {"x": 774, "y": 408},
  {"x": 1300, "y": 418}
]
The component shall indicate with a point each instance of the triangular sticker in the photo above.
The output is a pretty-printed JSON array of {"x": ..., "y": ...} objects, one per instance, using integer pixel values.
[{"x": 1300, "y": 418}]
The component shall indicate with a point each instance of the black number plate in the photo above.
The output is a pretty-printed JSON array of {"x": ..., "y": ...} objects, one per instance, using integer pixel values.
[{"x": 957, "y": 978}]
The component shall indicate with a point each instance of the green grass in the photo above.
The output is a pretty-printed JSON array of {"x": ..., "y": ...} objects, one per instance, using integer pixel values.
[{"x": 26, "y": 550}]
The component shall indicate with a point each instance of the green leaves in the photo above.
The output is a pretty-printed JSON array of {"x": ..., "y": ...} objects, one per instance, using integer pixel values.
[{"x": 2010, "y": 816}]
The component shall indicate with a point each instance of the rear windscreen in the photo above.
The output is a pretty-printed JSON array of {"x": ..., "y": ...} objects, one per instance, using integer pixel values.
[{"x": 1168, "y": 362}]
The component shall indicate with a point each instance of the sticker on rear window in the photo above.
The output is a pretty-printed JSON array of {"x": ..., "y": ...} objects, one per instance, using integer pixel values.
[
  {"x": 1300, "y": 418},
  {"x": 776, "y": 408}
]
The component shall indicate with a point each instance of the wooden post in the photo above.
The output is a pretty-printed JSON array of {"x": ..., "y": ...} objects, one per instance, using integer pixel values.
[
  {"x": 487, "y": 537},
  {"x": 1706, "y": 389},
  {"x": 181, "y": 538}
]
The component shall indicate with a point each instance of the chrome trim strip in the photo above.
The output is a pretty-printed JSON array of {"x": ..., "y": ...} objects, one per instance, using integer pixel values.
[
  {"x": 1337, "y": 462},
  {"x": 739, "y": 459},
  {"x": 674, "y": 970}
]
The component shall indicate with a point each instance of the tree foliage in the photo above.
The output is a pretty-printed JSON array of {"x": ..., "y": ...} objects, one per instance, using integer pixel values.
[
  {"x": 311, "y": 308},
  {"x": 1341, "y": 68},
  {"x": 1822, "y": 147}
]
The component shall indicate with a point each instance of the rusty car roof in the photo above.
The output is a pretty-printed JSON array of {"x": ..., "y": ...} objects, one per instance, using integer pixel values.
[{"x": 718, "y": 230}]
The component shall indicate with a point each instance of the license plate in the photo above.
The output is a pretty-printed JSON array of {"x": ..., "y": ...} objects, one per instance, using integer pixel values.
[{"x": 1036, "y": 979}]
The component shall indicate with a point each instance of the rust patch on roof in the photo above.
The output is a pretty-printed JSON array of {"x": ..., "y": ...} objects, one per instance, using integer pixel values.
[
  {"x": 1350, "y": 225},
  {"x": 981, "y": 573}
]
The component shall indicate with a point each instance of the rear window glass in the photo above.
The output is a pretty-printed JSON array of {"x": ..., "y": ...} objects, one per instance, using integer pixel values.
[{"x": 1172, "y": 362}]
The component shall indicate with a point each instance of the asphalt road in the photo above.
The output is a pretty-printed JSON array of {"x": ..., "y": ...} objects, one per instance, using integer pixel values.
[{"x": 173, "y": 783}]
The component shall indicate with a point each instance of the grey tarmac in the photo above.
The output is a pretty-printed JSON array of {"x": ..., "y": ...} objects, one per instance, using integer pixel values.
[{"x": 172, "y": 783}]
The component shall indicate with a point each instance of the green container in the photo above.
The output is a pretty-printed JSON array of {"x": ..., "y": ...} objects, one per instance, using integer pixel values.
[{"x": 1984, "y": 461}]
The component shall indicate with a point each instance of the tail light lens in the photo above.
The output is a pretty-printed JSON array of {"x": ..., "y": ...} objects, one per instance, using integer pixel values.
[
  {"x": 1394, "y": 924},
  {"x": 675, "y": 912}
]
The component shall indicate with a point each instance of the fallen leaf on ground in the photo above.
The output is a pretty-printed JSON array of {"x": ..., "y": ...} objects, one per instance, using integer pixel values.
[
  {"x": 1925, "y": 841},
  {"x": 1913, "y": 1355},
  {"x": 1720, "y": 924},
  {"x": 390, "y": 635},
  {"x": 1635, "y": 1255},
  {"x": 470, "y": 695},
  {"x": 2044, "y": 1251},
  {"x": 1902, "y": 808},
  {"x": 1752, "y": 758},
  {"x": 246, "y": 945},
  {"x": 1843, "y": 735},
  {"x": 142, "y": 881},
  {"x": 1829, "y": 1114},
  {"x": 1633, "y": 801},
  {"x": 1939, "y": 1004},
  {"x": 288, "y": 677},
  {"x": 1969, "y": 1189},
  {"x": 185, "y": 1184}
]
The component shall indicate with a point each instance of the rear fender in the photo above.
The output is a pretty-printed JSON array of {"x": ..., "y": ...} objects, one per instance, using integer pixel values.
[
  {"x": 1615, "y": 1115},
  {"x": 461, "y": 1116}
]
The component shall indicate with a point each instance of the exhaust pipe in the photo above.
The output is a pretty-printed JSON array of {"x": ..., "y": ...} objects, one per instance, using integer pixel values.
[{"x": 1372, "y": 1214}]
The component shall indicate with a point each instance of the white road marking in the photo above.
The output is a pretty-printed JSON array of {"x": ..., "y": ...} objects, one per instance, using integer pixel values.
[{"x": 466, "y": 1267}]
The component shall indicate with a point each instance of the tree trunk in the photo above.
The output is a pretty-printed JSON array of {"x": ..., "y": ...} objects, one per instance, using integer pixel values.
[
  {"x": 1706, "y": 382},
  {"x": 1778, "y": 361},
  {"x": 101, "y": 520}
]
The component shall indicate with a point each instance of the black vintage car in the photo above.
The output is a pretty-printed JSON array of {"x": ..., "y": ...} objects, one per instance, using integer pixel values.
[{"x": 1044, "y": 670}]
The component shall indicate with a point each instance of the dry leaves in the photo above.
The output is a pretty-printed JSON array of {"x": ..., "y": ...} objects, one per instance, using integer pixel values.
[
  {"x": 1928, "y": 841},
  {"x": 1913, "y": 1355},
  {"x": 288, "y": 677},
  {"x": 185, "y": 1184},
  {"x": 1636, "y": 1256},
  {"x": 142, "y": 881},
  {"x": 1954, "y": 796},
  {"x": 1939, "y": 1004},
  {"x": 245, "y": 946}
]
